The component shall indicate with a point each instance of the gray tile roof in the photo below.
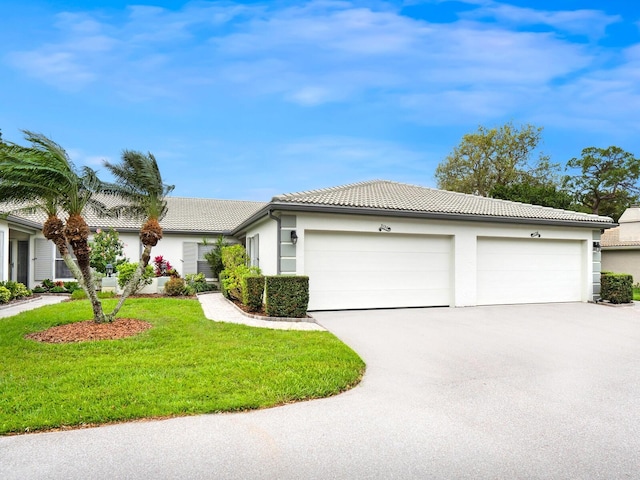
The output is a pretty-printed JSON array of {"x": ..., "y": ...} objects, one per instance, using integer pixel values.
[
  {"x": 611, "y": 238},
  {"x": 197, "y": 215},
  {"x": 393, "y": 196}
]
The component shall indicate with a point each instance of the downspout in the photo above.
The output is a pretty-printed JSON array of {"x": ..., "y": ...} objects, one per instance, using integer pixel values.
[{"x": 278, "y": 247}]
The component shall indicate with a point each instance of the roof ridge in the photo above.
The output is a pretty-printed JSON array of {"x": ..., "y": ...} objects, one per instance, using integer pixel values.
[{"x": 327, "y": 189}]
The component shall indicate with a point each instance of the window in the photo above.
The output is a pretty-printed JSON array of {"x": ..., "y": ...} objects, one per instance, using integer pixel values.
[
  {"x": 202, "y": 264},
  {"x": 62, "y": 271},
  {"x": 253, "y": 250}
]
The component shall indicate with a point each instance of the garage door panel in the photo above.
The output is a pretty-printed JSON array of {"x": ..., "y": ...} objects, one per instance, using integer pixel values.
[
  {"x": 364, "y": 270},
  {"x": 528, "y": 271}
]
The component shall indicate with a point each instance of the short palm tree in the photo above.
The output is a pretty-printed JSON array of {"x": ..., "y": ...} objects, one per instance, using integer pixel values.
[
  {"x": 43, "y": 177},
  {"x": 139, "y": 184}
]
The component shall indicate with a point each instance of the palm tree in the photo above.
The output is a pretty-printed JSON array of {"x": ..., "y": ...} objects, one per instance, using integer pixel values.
[
  {"x": 139, "y": 183},
  {"x": 43, "y": 177}
]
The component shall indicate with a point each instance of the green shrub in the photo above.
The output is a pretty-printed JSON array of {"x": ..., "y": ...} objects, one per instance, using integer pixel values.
[
  {"x": 252, "y": 291},
  {"x": 72, "y": 286},
  {"x": 616, "y": 287},
  {"x": 39, "y": 290},
  {"x": 17, "y": 290},
  {"x": 126, "y": 271},
  {"x": 58, "y": 290},
  {"x": 196, "y": 283},
  {"x": 234, "y": 259},
  {"x": 214, "y": 257},
  {"x": 48, "y": 284},
  {"x": 286, "y": 296},
  {"x": 174, "y": 287},
  {"x": 5, "y": 294},
  {"x": 222, "y": 277},
  {"x": 21, "y": 291}
]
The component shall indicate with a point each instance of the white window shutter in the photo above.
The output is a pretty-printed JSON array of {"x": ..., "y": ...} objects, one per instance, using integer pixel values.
[
  {"x": 43, "y": 259},
  {"x": 189, "y": 258}
]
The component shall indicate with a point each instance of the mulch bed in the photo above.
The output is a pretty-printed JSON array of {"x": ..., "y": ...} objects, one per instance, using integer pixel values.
[{"x": 89, "y": 331}]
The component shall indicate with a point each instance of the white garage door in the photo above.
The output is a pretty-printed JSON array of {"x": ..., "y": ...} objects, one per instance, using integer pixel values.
[
  {"x": 377, "y": 270},
  {"x": 529, "y": 271}
]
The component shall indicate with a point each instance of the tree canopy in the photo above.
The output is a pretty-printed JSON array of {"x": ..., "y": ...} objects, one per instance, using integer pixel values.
[
  {"x": 607, "y": 181},
  {"x": 496, "y": 157}
]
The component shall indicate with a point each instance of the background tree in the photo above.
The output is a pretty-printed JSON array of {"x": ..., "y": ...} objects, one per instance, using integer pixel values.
[
  {"x": 607, "y": 180},
  {"x": 496, "y": 157},
  {"x": 536, "y": 193},
  {"x": 106, "y": 248}
]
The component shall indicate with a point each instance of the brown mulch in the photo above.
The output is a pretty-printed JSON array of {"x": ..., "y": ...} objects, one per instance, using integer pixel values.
[{"x": 89, "y": 330}]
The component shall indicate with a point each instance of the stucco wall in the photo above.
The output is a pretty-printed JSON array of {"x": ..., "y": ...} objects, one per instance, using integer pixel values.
[
  {"x": 464, "y": 234},
  {"x": 622, "y": 261},
  {"x": 268, "y": 231}
]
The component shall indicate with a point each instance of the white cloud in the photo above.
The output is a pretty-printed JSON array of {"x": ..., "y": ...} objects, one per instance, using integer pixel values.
[
  {"x": 591, "y": 23},
  {"x": 319, "y": 52}
]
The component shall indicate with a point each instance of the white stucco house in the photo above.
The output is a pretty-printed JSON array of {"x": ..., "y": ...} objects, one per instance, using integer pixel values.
[{"x": 375, "y": 244}]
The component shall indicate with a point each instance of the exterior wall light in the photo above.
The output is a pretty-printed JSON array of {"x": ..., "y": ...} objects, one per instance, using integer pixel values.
[
  {"x": 294, "y": 237},
  {"x": 536, "y": 234},
  {"x": 109, "y": 268},
  {"x": 597, "y": 247},
  {"x": 384, "y": 227}
]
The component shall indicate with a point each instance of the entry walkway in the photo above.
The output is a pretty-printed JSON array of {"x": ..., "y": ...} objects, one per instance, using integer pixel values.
[
  {"x": 218, "y": 309},
  {"x": 30, "y": 304}
]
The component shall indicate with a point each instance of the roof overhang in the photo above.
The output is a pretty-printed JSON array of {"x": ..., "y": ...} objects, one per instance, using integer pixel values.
[{"x": 335, "y": 209}]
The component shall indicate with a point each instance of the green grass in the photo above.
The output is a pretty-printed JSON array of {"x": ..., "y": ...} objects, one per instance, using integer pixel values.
[
  {"x": 636, "y": 293},
  {"x": 184, "y": 365}
]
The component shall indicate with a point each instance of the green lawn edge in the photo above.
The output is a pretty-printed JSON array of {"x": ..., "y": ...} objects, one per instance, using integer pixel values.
[{"x": 185, "y": 365}]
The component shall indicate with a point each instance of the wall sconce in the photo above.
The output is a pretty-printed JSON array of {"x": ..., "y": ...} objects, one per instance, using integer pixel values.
[
  {"x": 384, "y": 227},
  {"x": 597, "y": 247},
  {"x": 294, "y": 237},
  {"x": 109, "y": 268},
  {"x": 536, "y": 235}
]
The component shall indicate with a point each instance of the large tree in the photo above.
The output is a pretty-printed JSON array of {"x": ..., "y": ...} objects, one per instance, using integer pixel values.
[
  {"x": 607, "y": 180},
  {"x": 43, "y": 177},
  {"x": 493, "y": 157},
  {"x": 139, "y": 183}
]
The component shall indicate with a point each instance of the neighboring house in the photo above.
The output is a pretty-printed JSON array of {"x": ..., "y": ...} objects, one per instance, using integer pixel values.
[
  {"x": 621, "y": 245},
  {"x": 376, "y": 244},
  {"x": 26, "y": 256}
]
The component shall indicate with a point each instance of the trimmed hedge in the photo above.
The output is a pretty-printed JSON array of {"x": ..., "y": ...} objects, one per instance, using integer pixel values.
[
  {"x": 252, "y": 291},
  {"x": 286, "y": 296},
  {"x": 616, "y": 287}
]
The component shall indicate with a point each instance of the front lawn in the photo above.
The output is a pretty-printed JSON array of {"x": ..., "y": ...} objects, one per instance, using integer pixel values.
[
  {"x": 184, "y": 365},
  {"x": 636, "y": 293}
]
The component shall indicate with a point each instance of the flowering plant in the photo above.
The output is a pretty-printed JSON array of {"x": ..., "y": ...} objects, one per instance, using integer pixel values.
[{"x": 163, "y": 267}]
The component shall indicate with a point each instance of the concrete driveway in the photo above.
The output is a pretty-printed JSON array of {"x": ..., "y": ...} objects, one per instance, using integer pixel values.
[{"x": 510, "y": 392}]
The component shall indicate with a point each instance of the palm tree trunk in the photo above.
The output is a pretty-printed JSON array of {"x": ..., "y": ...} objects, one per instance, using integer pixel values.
[
  {"x": 130, "y": 287},
  {"x": 85, "y": 280}
]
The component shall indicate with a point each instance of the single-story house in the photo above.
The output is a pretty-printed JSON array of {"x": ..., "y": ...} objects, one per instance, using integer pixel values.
[
  {"x": 621, "y": 245},
  {"x": 375, "y": 244}
]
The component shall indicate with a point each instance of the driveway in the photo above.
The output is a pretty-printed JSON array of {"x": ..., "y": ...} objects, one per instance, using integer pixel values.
[{"x": 509, "y": 392}]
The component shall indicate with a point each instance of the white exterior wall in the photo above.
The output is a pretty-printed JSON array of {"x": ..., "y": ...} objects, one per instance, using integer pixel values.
[
  {"x": 464, "y": 235},
  {"x": 268, "y": 244}
]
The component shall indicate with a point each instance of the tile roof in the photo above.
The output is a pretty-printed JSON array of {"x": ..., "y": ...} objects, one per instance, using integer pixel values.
[
  {"x": 196, "y": 215},
  {"x": 393, "y": 196},
  {"x": 611, "y": 238}
]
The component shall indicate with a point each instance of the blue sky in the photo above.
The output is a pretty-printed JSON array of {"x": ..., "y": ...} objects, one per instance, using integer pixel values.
[{"x": 246, "y": 100}]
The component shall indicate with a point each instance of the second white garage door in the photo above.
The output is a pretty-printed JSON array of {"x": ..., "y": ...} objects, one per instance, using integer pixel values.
[
  {"x": 529, "y": 271},
  {"x": 377, "y": 270}
]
